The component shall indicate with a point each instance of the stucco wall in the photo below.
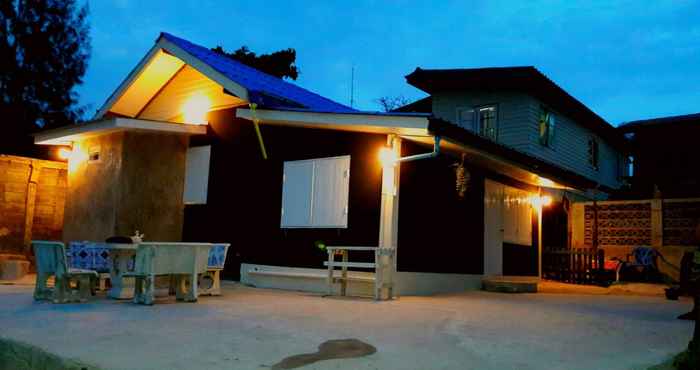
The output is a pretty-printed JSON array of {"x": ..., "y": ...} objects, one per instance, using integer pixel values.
[{"x": 136, "y": 184}]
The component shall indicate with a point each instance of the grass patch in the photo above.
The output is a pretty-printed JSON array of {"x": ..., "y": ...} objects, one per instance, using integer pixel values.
[{"x": 21, "y": 356}]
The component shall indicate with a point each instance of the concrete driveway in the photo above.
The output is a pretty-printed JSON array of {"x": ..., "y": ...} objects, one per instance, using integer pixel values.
[{"x": 250, "y": 328}]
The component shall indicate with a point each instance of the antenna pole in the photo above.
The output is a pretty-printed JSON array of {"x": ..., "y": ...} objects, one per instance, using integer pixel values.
[{"x": 352, "y": 86}]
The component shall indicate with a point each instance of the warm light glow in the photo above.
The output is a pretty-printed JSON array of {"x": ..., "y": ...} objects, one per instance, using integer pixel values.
[
  {"x": 540, "y": 201},
  {"x": 76, "y": 158},
  {"x": 388, "y": 157},
  {"x": 65, "y": 153},
  {"x": 195, "y": 109},
  {"x": 543, "y": 181}
]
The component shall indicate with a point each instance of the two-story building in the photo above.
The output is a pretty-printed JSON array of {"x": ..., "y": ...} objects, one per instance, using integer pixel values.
[
  {"x": 196, "y": 146},
  {"x": 664, "y": 152}
]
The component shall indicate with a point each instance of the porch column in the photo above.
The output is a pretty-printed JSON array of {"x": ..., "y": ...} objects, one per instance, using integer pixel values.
[
  {"x": 388, "y": 224},
  {"x": 539, "y": 234}
]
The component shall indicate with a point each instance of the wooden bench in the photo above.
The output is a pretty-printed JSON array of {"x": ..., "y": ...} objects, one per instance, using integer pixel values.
[{"x": 344, "y": 264}]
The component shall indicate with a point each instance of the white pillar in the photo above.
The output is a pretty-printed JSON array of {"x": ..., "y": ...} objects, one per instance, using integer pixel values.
[
  {"x": 539, "y": 234},
  {"x": 388, "y": 224}
]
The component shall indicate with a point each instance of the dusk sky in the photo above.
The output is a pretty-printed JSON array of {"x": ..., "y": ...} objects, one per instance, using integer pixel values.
[{"x": 625, "y": 60}]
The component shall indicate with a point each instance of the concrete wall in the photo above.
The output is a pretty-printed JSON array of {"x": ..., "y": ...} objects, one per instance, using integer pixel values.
[
  {"x": 314, "y": 280},
  {"x": 136, "y": 184},
  {"x": 518, "y": 127},
  {"x": 37, "y": 204}
]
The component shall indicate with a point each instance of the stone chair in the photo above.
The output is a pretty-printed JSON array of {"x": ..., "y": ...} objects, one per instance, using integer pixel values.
[
  {"x": 51, "y": 261},
  {"x": 210, "y": 281},
  {"x": 183, "y": 261}
]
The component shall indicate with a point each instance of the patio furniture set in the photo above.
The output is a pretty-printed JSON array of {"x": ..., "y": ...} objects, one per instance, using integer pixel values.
[{"x": 193, "y": 269}]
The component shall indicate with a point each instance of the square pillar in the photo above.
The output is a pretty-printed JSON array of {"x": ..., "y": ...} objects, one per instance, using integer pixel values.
[{"x": 388, "y": 224}]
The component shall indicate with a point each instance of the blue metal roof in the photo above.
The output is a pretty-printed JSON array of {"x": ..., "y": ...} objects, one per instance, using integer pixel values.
[{"x": 263, "y": 89}]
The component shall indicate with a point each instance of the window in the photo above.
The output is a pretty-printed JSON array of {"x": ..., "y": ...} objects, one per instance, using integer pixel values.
[
  {"x": 197, "y": 175},
  {"x": 517, "y": 216},
  {"x": 465, "y": 118},
  {"x": 593, "y": 152},
  {"x": 315, "y": 193},
  {"x": 547, "y": 123},
  {"x": 488, "y": 122}
]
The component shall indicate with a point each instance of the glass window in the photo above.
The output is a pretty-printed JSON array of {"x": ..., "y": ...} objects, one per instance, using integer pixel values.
[
  {"x": 547, "y": 122},
  {"x": 465, "y": 118},
  {"x": 593, "y": 152},
  {"x": 488, "y": 122}
]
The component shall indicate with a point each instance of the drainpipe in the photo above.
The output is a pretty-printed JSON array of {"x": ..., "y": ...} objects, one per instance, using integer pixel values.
[{"x": 433, "y": 154}]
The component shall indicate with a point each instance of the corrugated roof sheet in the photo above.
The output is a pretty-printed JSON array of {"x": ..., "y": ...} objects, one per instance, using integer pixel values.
[
  {"x": 265, "y": 90},
  {"x": 671, "y": 120}
]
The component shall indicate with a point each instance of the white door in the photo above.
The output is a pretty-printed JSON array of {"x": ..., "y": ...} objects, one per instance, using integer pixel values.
[{"x": 493, "y": 228}]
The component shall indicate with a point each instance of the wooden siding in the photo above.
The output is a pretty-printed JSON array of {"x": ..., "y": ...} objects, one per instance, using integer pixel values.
[
  {"x": 518, "y": 128},
  {"x": 513, "y": 110},
  {"x": 167, "y": 104}
]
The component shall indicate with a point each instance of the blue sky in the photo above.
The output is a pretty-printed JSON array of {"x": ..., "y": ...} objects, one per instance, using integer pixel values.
[{"x": 625, "y": 60}]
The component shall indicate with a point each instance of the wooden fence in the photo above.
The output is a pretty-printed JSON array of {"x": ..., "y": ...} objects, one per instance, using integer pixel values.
[
  {"x": 32, "y": 199},
  {"x": 577, "y": 266}
]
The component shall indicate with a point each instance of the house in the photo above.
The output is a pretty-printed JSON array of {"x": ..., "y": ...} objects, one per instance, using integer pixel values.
[
  {"x": 663, "y": 150},
  {"x": 195, "y": 146}
]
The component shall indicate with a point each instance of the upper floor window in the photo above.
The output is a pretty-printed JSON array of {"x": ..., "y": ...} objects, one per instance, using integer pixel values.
[
  {"x": 488, "y": 121},
  {"x": 593, "y": 152},
  {"x": 547, "y": 122},
  {"x": 465, "y": 118}
]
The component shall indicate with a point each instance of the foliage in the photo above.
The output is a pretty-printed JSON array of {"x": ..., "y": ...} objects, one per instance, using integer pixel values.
[
  {"x": 44, "y": 51},
  {"x": 320, "y": 245},
  {"x": 279, "y": 64},
  {"x": 389, "y": 104}
]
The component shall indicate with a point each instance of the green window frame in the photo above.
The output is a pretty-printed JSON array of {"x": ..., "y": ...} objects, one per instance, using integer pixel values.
[{"x": 547, "y": 125}]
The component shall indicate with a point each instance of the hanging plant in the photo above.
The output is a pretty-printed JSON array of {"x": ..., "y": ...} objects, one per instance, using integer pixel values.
[{"x": 462, "y": 177}]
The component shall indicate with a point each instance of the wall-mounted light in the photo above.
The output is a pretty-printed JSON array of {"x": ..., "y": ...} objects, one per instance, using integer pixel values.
[
  {"x": 195, "y": 109},
  {"x": 539, "y": 201},
  {"x": 65, "y": 153},
  {"x": 387, "y": 156}
]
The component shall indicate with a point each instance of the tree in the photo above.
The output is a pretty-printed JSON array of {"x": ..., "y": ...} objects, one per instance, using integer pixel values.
[
  {"x": 279, "y": 64},
  {"x": 44, "y": 50},
  {"x": 389, "y": 104}
]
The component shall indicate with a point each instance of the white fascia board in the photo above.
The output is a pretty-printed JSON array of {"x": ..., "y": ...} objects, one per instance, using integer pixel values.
[
  {"x": 67, "y": 135},
  {"x": 203, "y": 68},
  {"x": 127, "y": 82},
  {"x": 403, "y": 125}
]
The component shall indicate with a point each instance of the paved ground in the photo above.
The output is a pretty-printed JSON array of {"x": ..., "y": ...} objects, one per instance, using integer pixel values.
[{"x": 251, "y": 328}]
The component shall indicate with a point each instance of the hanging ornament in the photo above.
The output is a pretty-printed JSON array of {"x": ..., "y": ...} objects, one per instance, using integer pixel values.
[{"x": 462, "y": 177}]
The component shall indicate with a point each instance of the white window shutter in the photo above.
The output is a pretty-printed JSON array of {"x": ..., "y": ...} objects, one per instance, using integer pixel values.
[
  {"x": 297, "y": 193},
  {"x": 197, "y": 175},
  {"x": 331, "y": 185}
]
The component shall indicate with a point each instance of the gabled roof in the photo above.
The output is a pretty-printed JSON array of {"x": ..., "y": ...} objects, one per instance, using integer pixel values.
[
  {"x": 671, "y": 120},
  {"x": 526, "y": 79},
  {"x": 263, "y": 89},
  {"x": 424, "y": 105},
  {"x": 169, "y": 54}
]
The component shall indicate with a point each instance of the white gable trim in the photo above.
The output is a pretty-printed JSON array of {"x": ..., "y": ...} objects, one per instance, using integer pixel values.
[
  {"x": 372, "y": 123},
  {"x": 67, "y": 135},
  {"x": 238, "y": 90}
]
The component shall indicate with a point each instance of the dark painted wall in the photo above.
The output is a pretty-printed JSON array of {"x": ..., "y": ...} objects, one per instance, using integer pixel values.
[
  {"x": 245, "y": 192},
  {"x": 438, "y": 231},
  {"x": 666, "y": 155}
]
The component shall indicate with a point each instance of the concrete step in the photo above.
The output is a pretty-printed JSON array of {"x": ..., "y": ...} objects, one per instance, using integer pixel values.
[{"x": 510, "y": 284}]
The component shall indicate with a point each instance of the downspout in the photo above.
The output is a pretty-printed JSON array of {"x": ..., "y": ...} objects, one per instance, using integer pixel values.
[{"x": 415, "y": 157}]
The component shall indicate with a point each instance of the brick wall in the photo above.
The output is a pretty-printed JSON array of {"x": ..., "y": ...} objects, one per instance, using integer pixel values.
[{"x": 32, "y": 196}]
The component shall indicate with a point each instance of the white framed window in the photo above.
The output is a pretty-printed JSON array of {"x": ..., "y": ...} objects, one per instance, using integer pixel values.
[
  {"x": 517, "y": 216},
  {"x": 197, "y": 175},
  {"x": 488, "y": 122},
  {"x": 465, "y": 118},
  {"x": 315, "y": 193}
]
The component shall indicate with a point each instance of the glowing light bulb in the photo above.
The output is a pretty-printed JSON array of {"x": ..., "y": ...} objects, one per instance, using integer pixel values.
[{"x": 195, "y": 109}]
